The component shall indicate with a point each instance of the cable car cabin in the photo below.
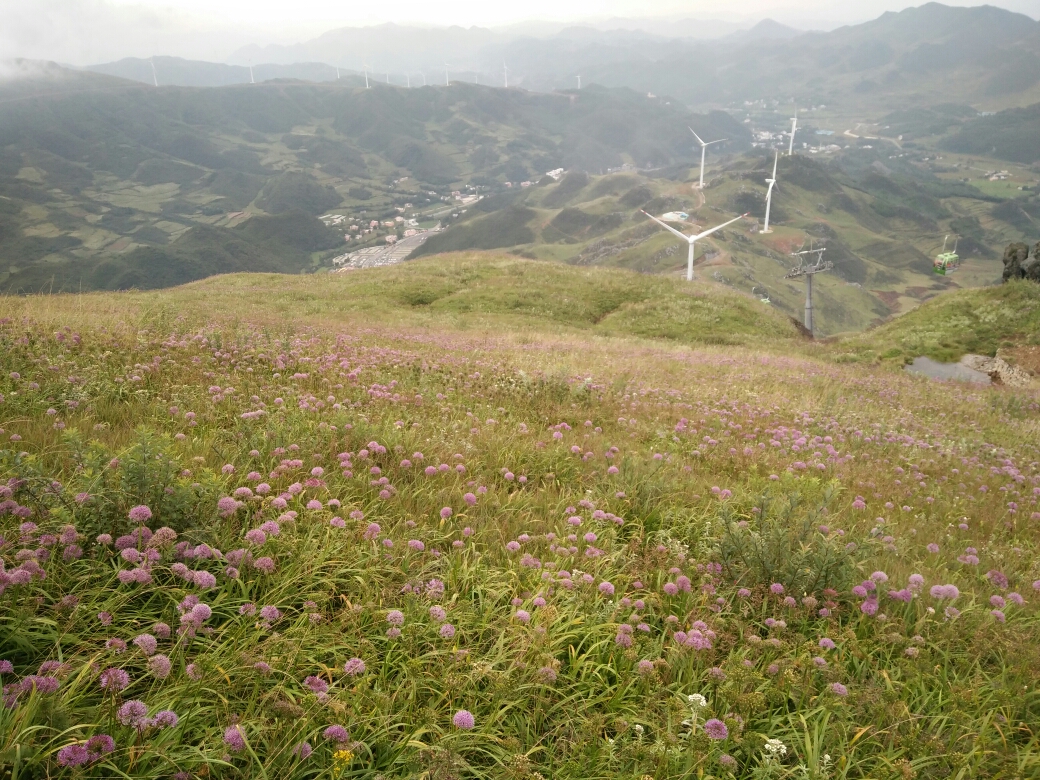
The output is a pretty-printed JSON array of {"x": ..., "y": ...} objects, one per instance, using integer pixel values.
[{"x": 945, "y": 263}]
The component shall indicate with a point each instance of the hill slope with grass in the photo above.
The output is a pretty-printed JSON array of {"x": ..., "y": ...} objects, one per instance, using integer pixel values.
[
  {"x": 434, "y": 521},
  {"x": 1003, "y": 318}
]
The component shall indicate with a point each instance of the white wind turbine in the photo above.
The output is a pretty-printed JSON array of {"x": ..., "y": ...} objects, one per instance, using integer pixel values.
[
  {"x": 365, "y": 68},
  {"x": 155, "y": 79},
  {"x": 691, "y": 240},
  {"x": 769, "y": 193},
  {"x": 423, "y": 78},
  {"x": 505, "y": 70},
  {"x": 794, "y": 126},
  {"x": 704, "y": 149},
  {"x": 446, "y": 82},
  {"x": 579, "y": 82},
  {"x": 251, "y": 81}
]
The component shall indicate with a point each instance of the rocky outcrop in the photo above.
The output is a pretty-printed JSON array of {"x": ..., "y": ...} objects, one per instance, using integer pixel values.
[
  {"x": 1014, "y": 256},
  {"x": 1031, "y": 267},
  {"x": 999, "y": 370}
]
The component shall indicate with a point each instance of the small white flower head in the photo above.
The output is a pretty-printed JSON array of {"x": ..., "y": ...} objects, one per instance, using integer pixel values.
[
  {"x": 775, "y": 748},
  {"x": 697, "y": 701},
  {"x": 638, "y": 730}
]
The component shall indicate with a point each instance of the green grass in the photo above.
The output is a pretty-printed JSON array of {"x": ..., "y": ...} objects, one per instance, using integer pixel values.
[
  {"x": 957, "y": 323},
  {"x": 707, "y": 476}
]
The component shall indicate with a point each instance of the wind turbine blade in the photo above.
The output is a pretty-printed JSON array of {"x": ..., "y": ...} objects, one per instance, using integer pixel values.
[
  {"x": 716, "y": 142},
  {"x": 775, "y": 161},
  {"x": 696, "y": 136},
  {"x": 668, "y": 227},
  {"x": 699, "y": 236}
]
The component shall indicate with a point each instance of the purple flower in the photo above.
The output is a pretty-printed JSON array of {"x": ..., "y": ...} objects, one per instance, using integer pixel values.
[
  {"x": 827, "y": 644},
  {"x": 838, "y": 689},
  {"x": 522, "y": 615},
  {"x": 140, "y": 514},
  {"x": 146, "y": 642},
  {"x": 776, "y": 589},
  {"x": 6, "y": 667},
  {"x": 73, "y": 755},
  {"x": 234, "y": 739},
  {"x": 445, "y": 513},
  {"x": 999, "y": 579},
  {"x": 164, "y": 719},
  {"x": 395, "y": 617},
  {"x": 336, "y": 733},
  {"x": 115, "y": 680},
  {"x": 354, "y": 667},
  {"x": 728, "y": 761},
  {"x": 447, "y": 631},
  {"x": 160, "y": 666},
  {"x": 715, "y": 729},
  {"x": 133, "y": 713},
  {"x": 415, "y": 544},
  {"x": 264, "y": 564},
  {"x": 270, "y": 613},
  {"x": 316, "y": 684},
  {"x": 303, "y": 750},
  {"x": 645, "y": 667},
  {"x": 463, "y": 719},
  {"x": 606, "y": 588}
]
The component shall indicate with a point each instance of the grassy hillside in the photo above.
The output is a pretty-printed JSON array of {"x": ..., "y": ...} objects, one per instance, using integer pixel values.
[
  {"x": 979, "y": 322},
  {"x": 474, "y": 291},
  {"x": 274, "y": 527}
]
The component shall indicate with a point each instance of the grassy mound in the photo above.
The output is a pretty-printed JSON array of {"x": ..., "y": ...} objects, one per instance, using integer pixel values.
[
  {"x": 979, "y": 321},
  {"x": 481, "y": 290}
]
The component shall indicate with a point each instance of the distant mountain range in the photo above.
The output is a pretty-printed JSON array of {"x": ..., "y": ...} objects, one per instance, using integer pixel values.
[{"x": 925, "y": 55}]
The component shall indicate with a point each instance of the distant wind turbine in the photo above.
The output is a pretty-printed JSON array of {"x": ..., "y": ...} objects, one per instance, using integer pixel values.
[
  {"x": 691, "y": 240},
  {"x": 769, "y": 192},
  {"x": 704, "y": 149},
  {"x": 365, "y": 67},
  {"x": 387, "y": 78},
  {"x": 794, "y": 127},
  {"x": 505, "y": 70},
  {"x": 155, "y": 78},
  {"x": 251, "y": 80},
  {"x": 337, "y": 74},
  {"x": 423, "y": 78},
  {"x": 579, "y": 82},
  {"x": 446, "y": 82}
]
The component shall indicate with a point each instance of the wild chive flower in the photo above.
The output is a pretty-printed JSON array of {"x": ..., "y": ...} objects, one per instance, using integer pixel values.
[
  {"x": 160, "y": 666},
  {"x": 838, "y": 689},
  {"x": 133, "y": 713},
  {"x": 336, "y": 733},
  {"x": 140, "y": 514},
  {"x": 715, "y": 729},
  {"x": 395, "y": 617},
  {"x": 354, "y": 667},
  {"x": 234, "y": 739},
  {"x": 115, "y": 680},
  {"x": 463, "y": 719},
  {"x": 270, "y": 613}
]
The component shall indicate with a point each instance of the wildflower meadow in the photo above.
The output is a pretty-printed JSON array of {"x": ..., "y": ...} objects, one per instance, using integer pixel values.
[{"x": 237, "y": 545}]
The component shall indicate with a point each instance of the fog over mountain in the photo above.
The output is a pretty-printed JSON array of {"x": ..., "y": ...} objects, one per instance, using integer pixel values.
[{"x": 83, "y": 32}]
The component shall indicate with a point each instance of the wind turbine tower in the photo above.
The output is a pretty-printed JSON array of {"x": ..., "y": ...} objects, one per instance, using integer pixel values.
[
  {"x": 251, "y": 80},
  {"x": 769, "y": 193},
  {"x": 691, "y": 240},
  {"x": 704, "y": 149},
  {"x": 365, "y": 68},
  {"x": 505, "y": 70},
  {"x": 579, "y": 82},
  {"x": 794, "y": 127},
  {"x": 808, "y": 270},
  {"x": 423, "y": 78},
  {"x": 155, "y": 79},
  {"x": 446, "y": 82}
]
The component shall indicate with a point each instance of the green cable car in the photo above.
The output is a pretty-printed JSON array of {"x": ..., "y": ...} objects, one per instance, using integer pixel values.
[{"x": 946, "y": 262}]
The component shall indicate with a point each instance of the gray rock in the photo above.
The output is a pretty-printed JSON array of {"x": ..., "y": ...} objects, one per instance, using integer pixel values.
[
  {"x": 1031, "y": 269},
  {"x": 1014, "y": 256}
]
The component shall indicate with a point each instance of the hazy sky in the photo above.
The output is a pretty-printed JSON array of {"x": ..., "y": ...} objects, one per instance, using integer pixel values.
[{"x": 89, "y": 31}]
